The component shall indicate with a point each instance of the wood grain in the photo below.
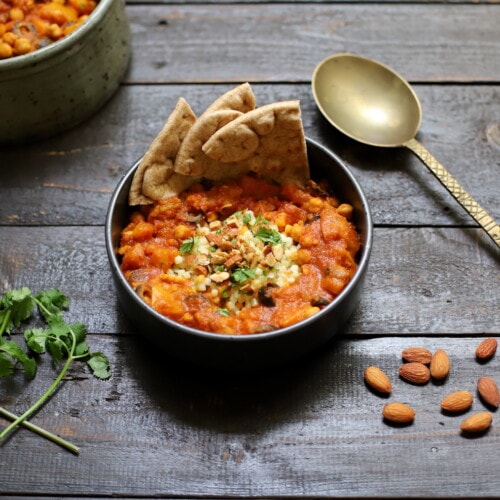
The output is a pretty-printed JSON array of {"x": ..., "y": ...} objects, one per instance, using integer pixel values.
[
  {"x": 420, "y": 280},
  {"x": 160, "y": 428},
  {"x": 283, "y": 42},
  {"x": 68, "y": 180},
  {"x": 311, "y": 429}
]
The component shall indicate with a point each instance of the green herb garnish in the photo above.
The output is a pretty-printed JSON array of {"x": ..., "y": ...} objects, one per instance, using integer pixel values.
[
  {"x": 65, "y": 343},
  {"x": 187, "y": 245},
  {"x": 268, "y": 235},
  {"x": 223, "y": 312},
  {"x": 242, "y": 274}
]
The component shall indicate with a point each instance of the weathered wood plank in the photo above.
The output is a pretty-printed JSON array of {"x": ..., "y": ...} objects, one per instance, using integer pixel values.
[
  {"x": 176, "y": 2},
  {"x": 311, "y": 429},
  {"x": 275, "y": 43},
  {"x": 420, "y": 281},
  {"x": 69, "y": 179}
]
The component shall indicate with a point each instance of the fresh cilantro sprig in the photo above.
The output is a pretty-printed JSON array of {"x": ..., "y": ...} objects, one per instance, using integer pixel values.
[{"x": 65, "y": 343}]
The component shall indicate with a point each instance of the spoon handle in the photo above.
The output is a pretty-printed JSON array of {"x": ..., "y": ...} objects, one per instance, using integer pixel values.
[{"x": 478, "y": 213}]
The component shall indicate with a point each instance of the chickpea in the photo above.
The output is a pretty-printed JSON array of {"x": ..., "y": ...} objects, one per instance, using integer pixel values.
[
  {"x": 182, "y": 232},
  {"x": 314, "y": 205},
  {"x": 303, "y": 256},
  {"x": 22, "y": 46},
  {"x": 280, "y": 221},
  {"x": 311, "y": 311},
  {"x": 54, "y": 31},
  {"x": 308, "y": 241},
  {"x": 82, "y": 6},
  {"x": 10, "y": 38},
  {"x": 5, "y": 50},
  {"x": 296, "y": 231},
  {"x": 16, "y": 14},
  {"x": 345, "y": 210}
]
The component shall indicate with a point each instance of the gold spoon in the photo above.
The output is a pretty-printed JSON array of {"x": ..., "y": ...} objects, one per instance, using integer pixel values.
[{"x": 372, "y": 104}]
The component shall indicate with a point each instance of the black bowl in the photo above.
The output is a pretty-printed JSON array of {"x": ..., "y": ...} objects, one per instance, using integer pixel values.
[{"x": 244, "y": 352}]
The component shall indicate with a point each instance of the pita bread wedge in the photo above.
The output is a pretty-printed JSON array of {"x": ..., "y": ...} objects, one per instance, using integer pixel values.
[
  {"x": 268, "y": 140},
  {"x": 241, "y": 98},
  {"x": 155, "y": 177},
  {"x": 191, "y": 160}
]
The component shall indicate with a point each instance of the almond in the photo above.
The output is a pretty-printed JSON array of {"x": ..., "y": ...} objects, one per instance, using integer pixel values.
[
  {"x": 417, "y": 373},
  {"x": 440, "y": 365},
  {"x": 457, "y": 401},
  {"x": 417, "y": 354},
  {"x": 378, "y": 380},
  {"x": 488, "y": 391},
  {"x": 477, "y": 423},
  {"x": 398, "y": 413},
  {"x": 486, "y": 349}
]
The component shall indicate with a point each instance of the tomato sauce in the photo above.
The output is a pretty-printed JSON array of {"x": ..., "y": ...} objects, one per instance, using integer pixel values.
[{"x": 244, "y": 257}]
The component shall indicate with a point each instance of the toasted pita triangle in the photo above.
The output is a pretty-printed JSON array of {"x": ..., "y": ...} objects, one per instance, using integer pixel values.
[
  {"x": 155, "y": 177},
  {"x": 191, "y": 160},
  {"x": 268, "y": 140},
  {"x": 241, "y": 98}
]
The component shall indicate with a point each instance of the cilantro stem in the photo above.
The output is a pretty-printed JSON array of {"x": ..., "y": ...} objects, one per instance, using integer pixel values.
[
  {"x": 21, "y": 419},
  {"x": 42, "y": 432}
]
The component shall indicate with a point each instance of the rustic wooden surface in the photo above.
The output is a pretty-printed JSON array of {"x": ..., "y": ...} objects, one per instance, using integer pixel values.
[{"x": 159, "y": 428}]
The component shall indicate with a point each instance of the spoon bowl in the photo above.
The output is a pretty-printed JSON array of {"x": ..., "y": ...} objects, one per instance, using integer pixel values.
[
  {"x": 371, "y": 103},
  {"x": 366, "y": 100}
]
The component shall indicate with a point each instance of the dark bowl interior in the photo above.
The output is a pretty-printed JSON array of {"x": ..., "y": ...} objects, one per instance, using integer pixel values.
[{"x": 244, "y": 352}]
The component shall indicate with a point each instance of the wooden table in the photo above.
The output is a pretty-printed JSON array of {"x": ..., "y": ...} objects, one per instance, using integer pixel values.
[{"x": 158, "y": 428}]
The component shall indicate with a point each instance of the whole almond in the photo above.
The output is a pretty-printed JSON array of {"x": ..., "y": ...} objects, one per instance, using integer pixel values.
[
  {"x": 486, "y": 349},
  {"x": 378, "y": 380},
  {"x": 488, "y": 390},
  {"x": 477, "y": 423},
  {"x": 417, "y": 354},
  {"x": 457, "y": 401},
  {"x": 440, "y": 365},
  {"x": 398, "y": 413},
  {"x": 416, "y": 373}
]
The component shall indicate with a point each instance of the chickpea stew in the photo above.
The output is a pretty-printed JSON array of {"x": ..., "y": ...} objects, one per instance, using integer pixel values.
[
  {"x": 241, "y": 257},
  {"x": 27, "y": 25}
]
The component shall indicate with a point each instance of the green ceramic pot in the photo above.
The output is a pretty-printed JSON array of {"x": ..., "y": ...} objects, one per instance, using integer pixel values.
[{"x": 58, "y": 86}]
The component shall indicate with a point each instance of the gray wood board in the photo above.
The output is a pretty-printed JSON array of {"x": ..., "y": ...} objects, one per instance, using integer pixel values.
[
  {"x": 428, "y": 281},
  {"x": 69, "y": 179},
  {"x": 311, "y": 429}
]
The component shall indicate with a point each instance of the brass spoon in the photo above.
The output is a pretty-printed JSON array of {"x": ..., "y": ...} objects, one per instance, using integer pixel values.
[{"x": 372, "y": 104}]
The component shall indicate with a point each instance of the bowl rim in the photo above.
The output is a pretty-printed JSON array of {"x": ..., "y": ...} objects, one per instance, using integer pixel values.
[
  {"x": 225, "y": 337},
  {"x": 61, "y": 46}
]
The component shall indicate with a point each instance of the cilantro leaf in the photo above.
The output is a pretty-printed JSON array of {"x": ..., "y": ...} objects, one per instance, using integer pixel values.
[
  {"x": 187, "y": 245},
  {"x": 15, "y": 307},
  {"x": 242, "y": 274},
  {"x": 17, "y": 355},
  {"x": 99, "y": 364},
  {"x": 268, "y": 235},
  {"x": 81, "y": 347},
  {"x": 35, "y": 339},
  {"x": 51, "y": 303},
  {"x": 6, "y": 365}
]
